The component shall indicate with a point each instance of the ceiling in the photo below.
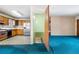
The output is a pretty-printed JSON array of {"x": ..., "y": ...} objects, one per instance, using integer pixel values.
[
  {"x": 24, "y": 10},
  {"x": 64, "y": 10}
]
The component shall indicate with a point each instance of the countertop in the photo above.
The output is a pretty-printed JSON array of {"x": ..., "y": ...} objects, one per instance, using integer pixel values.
[
  {"x": 2, "y": 30},
  {"x": 10, "y": 28}
]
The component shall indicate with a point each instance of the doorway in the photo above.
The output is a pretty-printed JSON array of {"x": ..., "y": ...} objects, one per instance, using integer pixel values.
[{"x": 77, "y": 27}]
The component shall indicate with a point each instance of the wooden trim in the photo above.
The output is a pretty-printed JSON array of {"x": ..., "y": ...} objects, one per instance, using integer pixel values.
[{"x": 76, "y": 27}]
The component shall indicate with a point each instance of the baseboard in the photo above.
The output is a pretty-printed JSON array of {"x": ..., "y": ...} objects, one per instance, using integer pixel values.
[{"x": 62, "y": 35}]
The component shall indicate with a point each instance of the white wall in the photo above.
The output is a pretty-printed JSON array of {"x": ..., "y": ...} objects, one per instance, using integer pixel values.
[{"x": 62, "y": 25}]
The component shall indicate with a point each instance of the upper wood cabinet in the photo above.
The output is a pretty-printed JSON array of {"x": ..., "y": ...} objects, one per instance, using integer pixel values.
[
  {"x": 1, "y": 20},
  {"x": 4, "y": 20},
  {"x": 20, "y": 22}
]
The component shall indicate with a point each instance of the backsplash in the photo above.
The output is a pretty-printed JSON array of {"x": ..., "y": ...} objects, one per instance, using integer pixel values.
[
  {"x": 6, "y": 26},
  {"x": 9, "y": 26}
]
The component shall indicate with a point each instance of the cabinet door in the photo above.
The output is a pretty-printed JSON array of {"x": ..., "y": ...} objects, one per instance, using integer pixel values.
[
  {"x": 21, "y": 22},
  {"x": 20, "y": 31},
  {"x": 14, "y": 32},
  {"x": 6, "y": 21},
  {"x": 16, "y": 22},
  {"x": 1, "y": 20}
]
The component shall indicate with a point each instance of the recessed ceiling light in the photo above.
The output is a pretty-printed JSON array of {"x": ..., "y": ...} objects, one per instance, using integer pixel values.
[{"x": 16, "y": 13}]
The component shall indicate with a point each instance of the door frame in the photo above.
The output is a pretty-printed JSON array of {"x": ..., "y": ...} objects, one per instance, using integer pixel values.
[{"x": 77, "y": 27}]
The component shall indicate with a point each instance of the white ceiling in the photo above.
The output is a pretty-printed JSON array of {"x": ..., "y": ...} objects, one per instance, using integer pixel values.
[
  {"x": 24, "y": 10},
  {"x": 64, "y": 10},
  {"x": 55, "y": 10}
]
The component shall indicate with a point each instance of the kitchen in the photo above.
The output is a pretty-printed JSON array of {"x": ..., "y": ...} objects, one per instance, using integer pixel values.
[
  {"x": 14, "y": 30},
  {"x": 17, "y": 23}
]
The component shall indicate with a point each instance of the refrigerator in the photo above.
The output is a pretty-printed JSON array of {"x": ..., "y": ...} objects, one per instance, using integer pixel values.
[{"x": 27, "y": 28}]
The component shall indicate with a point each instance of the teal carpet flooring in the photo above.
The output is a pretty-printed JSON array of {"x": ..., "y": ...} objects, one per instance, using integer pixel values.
[
  {"x": 64, "y": 44},
  {"x": 23, "y": 49}
]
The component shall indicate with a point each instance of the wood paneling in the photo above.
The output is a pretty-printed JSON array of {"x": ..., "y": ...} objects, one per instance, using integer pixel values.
[{"x": 46, "y": 33}]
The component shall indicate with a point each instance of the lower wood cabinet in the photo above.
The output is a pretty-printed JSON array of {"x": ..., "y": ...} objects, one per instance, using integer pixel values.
[
  {"x": 20, "y": 32},
  {"x": 14, "y": 32}
]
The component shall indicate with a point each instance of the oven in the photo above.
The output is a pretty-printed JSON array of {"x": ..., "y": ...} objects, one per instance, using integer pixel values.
[{"x": 3, "y": 34}]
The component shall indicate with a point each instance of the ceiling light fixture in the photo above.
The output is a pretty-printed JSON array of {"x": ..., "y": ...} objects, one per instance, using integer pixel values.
[{"x": 16, "y": 13}]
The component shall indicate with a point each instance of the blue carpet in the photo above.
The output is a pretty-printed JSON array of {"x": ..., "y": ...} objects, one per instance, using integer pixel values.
[
  {"x": 23, "y": 49},
  {"x": 64, "y": 44}
]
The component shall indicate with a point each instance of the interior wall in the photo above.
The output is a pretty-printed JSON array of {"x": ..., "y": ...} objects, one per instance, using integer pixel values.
[
  {"x": 39, "y": 23},
  {"x": 63, "y": 25}
]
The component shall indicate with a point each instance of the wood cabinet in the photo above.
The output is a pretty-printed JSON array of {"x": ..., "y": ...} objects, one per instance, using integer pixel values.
[
  {"x": 17, "y": 32},
  {"x": 20, "y": 32},
  {"x": 14, "y": 32},
  {"x": 3, "y": 20},
  {"x": 20, "y": 22},
  {"x": 16, "y": 22}
]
